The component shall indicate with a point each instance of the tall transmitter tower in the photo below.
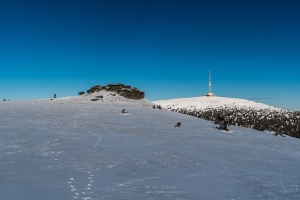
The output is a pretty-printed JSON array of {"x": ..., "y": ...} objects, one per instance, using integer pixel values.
[{"x": 209, "y": 93}]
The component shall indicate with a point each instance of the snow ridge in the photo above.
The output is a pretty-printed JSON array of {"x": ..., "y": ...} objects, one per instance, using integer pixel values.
[{"x": 212, "y": 102}]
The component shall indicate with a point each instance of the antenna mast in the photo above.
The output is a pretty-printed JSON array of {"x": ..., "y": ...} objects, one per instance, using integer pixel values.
[
  {"x": 209, "y": 93},
  {"x": 209, "y": 82}
]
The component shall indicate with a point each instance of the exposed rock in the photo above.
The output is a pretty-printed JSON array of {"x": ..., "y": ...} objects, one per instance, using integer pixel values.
[
  {"x": 223, "y": 126},
  {"x": 156, "y": 107},
  {"x": 178, "y": 125},
  {"x": 98, "y": 98},
  {"x": 121, "y": 89},
  {"x": 124, "y": 112},
  {"x": 96, "y": 88},
  {"x": 81, "y": 93}
]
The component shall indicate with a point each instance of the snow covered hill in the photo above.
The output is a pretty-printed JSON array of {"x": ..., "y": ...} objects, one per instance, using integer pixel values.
[
  {"x": 205, "y": 102},
  {"x": 238, "y": 112},
  {"x": 104, "y": 97},
  {"x": 75, "y": 148}
]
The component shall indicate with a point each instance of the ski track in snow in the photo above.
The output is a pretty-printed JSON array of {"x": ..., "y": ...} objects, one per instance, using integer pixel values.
[{"x": 82, "y": 193}]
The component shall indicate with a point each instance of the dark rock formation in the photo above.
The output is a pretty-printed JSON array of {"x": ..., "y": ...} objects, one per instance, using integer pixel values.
[
  {"x": 121, "y": 89},
  {"x": 223, "y": 126},
  {"x": 156, "y": 107},
  {"x": 98, "y": 98},
  {"x": 96, "y": 88},
  {"x": 81, "y": 93},
  {"x": 178, "y": 125}
]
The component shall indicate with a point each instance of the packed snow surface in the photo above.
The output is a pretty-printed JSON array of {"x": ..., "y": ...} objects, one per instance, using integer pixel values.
[
  {"x": 204, "y": 102},
  {"x": 75, "y": 148}
]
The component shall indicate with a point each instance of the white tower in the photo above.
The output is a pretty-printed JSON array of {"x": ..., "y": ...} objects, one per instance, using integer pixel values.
[{"x": 209, "y": 93}]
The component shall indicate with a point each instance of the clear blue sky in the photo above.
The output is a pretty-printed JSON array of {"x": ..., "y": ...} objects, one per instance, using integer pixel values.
[{"x": 164, "y": 47}]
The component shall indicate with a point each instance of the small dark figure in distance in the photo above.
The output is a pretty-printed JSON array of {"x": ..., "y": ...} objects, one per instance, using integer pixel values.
[
  {"x": 54, "y": 96},
  {"x": 177, "y": 125},
  {"x": 153, "y": 107},
  {"x": 124, "y": 112}
]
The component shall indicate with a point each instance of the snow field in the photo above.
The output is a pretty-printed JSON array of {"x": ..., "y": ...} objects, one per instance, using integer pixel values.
[{"x": 74, "y": 148}]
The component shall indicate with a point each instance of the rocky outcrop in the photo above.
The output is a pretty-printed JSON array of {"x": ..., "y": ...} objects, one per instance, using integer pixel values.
[
  {"x": 98, "y": 98},
  {"x": 93, "y": 89},
  {"x": 121, "y": 89}
]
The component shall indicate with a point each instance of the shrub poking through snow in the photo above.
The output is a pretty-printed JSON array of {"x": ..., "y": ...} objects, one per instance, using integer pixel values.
[
  {"x": 223, "y": 126},
  {"x": 178, "y": 124},
  {"x": 156, "y": 107}
]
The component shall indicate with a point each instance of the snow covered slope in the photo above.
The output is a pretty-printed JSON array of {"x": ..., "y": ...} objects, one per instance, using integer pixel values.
[
  {"x": 75, "y": 148},
  {"x": 212, "y": 102},
  {"x": 104, "y": 97}
]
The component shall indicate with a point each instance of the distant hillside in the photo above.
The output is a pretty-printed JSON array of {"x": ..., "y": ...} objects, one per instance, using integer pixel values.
[
  {"x": 238, "y": 112},
  {"x": 205, "y": 102}
]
